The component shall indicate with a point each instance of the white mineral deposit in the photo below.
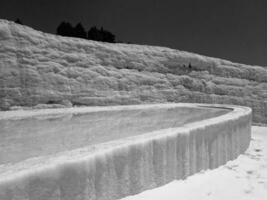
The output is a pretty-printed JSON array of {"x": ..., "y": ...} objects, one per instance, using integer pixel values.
[
  {"x": 87, "y": 116},
  {"x": 112, "y": 152}
]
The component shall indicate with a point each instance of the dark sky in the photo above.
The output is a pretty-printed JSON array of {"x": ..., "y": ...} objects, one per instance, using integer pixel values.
[{"x": 230, "y": 29}]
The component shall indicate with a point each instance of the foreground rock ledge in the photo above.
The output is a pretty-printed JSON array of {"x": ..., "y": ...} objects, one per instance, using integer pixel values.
[
  {"x": 127, "y": 166},
  {"x": 45, "y": 69}
]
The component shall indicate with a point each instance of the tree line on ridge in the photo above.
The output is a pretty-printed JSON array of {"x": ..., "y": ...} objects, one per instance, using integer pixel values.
[{"x": 94, "y": 33}]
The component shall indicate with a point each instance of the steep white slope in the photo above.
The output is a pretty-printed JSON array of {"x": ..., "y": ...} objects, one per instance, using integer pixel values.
[{"x": 38, "y": 68}]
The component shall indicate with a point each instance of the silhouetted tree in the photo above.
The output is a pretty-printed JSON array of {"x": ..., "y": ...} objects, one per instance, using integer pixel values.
[
  {"x": 65, "y": 29},
  {"x": 100, "y": 35},
  {"x": 79, "y": 31},
  {"x": 107, "y": 36},
  {"x": 93, "y": 34},
  {"x": 18, "y": 21}
]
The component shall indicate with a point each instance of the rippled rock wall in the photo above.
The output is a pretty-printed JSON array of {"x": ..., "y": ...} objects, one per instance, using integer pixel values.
[{"x": 44, "y": 70}]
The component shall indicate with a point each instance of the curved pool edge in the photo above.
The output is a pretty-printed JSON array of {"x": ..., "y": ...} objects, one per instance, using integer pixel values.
[
  {"x": 21, "y": 114},
  {"x": 130, "y": 165}
]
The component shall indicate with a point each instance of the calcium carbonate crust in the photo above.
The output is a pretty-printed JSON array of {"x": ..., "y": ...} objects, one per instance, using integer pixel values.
[
  {"x": 128, "y": 166},
  {"x": 42, "y": 70}
]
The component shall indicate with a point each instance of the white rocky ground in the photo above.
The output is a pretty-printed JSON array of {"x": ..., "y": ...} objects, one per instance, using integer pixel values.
[{"x": 244, "y": 178}]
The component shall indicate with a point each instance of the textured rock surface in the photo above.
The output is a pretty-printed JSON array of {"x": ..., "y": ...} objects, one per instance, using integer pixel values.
[
  {"x": 38, "y": 68},
  {"x": 127, "y": 166}
]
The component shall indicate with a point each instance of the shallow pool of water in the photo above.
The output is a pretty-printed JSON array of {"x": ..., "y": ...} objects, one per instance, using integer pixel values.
[{"x": 44, "y": 135}]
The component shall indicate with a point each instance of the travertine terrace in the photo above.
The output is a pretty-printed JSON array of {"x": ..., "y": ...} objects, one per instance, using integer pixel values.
[
  {"x": 44, "y": 70},
  {"x": 121, "y": 166}
]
